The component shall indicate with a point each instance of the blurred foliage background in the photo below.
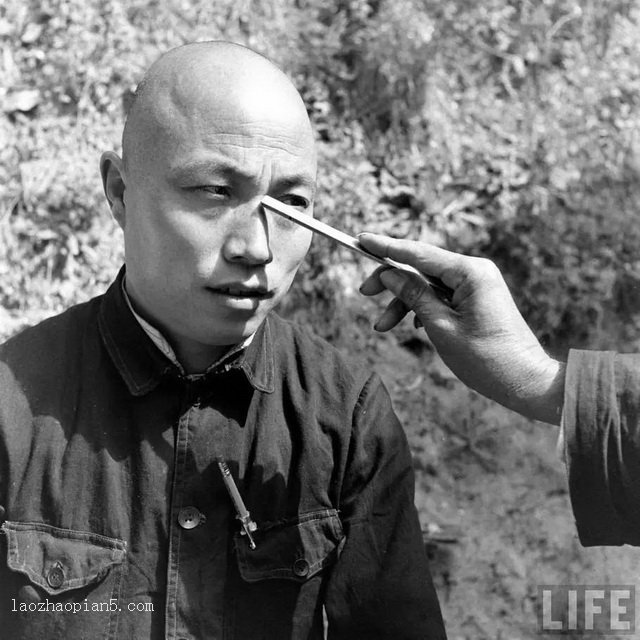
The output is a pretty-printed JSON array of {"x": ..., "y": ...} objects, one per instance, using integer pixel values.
[{"x": 503, "y": 128}]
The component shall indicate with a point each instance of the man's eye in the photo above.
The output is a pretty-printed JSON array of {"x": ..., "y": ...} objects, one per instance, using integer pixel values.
[
  {"x": 213, "y": 189},
  {"x": 295, "y": 201}
]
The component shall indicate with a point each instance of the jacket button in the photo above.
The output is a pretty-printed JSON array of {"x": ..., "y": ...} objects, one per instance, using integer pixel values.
[
  {"x": 55, "y": 577},
  {"x": 190, "y": 517},
  {"x": 301, "y": 567}
]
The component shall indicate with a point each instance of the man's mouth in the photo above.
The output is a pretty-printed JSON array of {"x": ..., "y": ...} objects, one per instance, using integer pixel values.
[{"x": 239, "y": 291}]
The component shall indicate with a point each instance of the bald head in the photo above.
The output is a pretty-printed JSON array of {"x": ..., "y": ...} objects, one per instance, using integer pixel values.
[{"x": 198, "y": 82}]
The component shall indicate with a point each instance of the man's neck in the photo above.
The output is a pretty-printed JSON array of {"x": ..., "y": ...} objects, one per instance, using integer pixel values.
[{"x": 197, "y": 358}]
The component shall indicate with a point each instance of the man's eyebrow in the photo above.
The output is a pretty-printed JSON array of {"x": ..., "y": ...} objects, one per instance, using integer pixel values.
[
  {"x": 229, "y": 169},
  {"x": 304, "y": 180},
  {"x": 203, "y": 167}
]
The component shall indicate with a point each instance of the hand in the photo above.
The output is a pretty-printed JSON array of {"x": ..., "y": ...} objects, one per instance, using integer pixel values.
[{"x": 480, "y": 334}]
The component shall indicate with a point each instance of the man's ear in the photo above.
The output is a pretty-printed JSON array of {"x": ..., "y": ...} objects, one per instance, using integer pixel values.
[{"x": 113, "y": 183}]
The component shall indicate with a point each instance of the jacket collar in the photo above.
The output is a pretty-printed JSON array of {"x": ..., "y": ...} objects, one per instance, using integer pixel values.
[{"x": 142, "y": 365}]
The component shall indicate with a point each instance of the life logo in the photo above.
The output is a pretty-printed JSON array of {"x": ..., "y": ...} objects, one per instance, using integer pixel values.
[{"x": 595, "y": 610}]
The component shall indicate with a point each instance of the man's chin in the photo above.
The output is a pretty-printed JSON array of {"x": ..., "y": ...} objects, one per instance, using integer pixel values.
[{"x": 235, "y": 333}]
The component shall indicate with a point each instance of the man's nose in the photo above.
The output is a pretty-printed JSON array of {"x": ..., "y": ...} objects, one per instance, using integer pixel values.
[{"x": 248, "y": 238}]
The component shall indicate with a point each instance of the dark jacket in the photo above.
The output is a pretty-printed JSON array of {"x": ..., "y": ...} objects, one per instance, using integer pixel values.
[{"x": 118, "y": 524}]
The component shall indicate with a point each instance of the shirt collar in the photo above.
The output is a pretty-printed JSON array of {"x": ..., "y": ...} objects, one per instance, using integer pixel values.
[
  {"x": 142, "y": 362},
  {"x": 167, "y": 350}
]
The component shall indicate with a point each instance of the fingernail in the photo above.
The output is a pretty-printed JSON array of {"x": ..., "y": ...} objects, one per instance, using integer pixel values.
[{"x": 364, "y": 233}]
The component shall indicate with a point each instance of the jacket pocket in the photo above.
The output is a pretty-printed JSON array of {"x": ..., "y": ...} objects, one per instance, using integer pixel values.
[
  {"x": 293, "y": 549},
  {"x": 62, "y": 583}
]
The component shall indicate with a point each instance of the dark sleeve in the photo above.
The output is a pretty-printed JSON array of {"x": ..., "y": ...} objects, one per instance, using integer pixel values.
[
  {"x": 381, "y": 586},
  {"x": 601, "y": 422}
]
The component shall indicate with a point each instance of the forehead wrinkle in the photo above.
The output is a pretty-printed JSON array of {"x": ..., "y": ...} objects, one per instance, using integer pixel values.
[
  {"x": 246, "y": 129},
  {"x": 240, "y": 152},
  {"x": 263, "y": 129},
  {"x": 263, "y": 143}
]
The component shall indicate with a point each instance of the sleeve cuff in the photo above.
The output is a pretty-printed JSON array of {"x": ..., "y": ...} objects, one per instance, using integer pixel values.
[{"x": 590, "y": 423}]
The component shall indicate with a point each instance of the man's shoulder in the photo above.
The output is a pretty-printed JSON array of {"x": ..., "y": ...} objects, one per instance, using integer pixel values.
[
  {"x": 51, "y": 339},
  {"x": 306, "y": 342},
  {"x": 301, "y": 348}
]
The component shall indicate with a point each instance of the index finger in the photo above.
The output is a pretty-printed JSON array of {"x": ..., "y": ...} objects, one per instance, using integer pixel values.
[{"x": 427, "y": 258}]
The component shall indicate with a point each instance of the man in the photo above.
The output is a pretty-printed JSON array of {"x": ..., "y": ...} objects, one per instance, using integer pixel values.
[
  {"x": 114, "y": 415},
  {"x": 485, "y": 341}
]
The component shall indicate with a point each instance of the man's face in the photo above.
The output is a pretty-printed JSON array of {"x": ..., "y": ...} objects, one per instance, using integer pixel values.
[{"x": 205, "y": 262}]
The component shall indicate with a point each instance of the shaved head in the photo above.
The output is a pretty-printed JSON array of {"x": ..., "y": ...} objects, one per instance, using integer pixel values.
[{"x": 225, "y": 79}]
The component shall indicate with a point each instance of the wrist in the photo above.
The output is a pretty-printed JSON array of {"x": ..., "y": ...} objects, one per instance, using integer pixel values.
[{"x": 541, "y": 397}]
